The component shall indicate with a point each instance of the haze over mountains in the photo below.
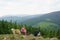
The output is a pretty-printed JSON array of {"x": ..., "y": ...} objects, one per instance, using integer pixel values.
[
  {"x": 53, "y": 17},
  {"x": 18, "y": 18}
]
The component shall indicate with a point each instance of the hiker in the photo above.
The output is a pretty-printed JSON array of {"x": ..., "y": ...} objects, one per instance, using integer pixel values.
[
  {"x": 23, "y": 30},
  {"x": 36, "y": 33}
]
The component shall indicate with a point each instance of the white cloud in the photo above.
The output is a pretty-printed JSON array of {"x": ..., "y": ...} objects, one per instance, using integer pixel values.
[{"x": 14, "y": 7}]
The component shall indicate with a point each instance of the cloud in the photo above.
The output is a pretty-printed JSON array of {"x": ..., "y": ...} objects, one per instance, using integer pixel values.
[{"x": 14, "y": 7}]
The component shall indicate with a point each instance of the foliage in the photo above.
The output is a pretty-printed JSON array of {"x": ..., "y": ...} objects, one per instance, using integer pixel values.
[
  {"x": 5, "y": 26},
  {"x": 47, "y": 29}
]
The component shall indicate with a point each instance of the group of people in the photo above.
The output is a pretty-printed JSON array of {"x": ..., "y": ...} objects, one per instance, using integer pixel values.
[
  {"x": 23, "y": 31},
  {"x": 19, "y": 31}
]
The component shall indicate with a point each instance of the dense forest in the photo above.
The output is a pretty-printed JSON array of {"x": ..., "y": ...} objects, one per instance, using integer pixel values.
[
  {"x": 47, "y": 29},
  {"x": 5, "y": 27}
]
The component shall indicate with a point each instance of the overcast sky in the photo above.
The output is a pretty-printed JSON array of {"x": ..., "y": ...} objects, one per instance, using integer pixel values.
[{"x": 17, "y": 7}]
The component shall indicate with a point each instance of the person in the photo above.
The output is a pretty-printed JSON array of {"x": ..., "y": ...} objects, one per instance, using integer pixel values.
[
  {"x": 36, "y": 32},
  {"x": 23, "y": 30}
]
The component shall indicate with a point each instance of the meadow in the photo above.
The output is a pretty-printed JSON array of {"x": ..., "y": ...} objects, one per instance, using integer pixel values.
[{"x": 22, "y": 37}]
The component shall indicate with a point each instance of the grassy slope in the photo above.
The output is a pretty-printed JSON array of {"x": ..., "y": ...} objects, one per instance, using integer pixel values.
[
  {"x": 46, "y": 24},
  {"x": 19, "y": 37}
]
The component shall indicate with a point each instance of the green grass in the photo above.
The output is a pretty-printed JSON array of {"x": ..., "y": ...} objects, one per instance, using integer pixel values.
[
  {"x": 46, "y": 24},
  {"x": 20, "y": 37}
]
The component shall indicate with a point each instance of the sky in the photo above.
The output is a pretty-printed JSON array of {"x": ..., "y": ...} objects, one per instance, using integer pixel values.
[{"x": 28, "y": 7}]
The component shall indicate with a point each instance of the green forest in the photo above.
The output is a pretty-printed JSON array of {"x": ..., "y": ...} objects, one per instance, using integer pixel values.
[
  {"x": 47, "y": 29},
  {"x": 5, "y": 27}
]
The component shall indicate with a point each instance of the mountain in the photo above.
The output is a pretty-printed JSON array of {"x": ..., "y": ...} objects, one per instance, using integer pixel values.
[
  {"x": 18, "y": 18},
  {"x": 53, "y": 17},
  {"x": 9, "y": 18}
]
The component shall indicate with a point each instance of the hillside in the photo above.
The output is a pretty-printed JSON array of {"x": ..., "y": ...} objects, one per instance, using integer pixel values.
[
  {"x": 53, "y": 17},
  {"x": 18, "y": 18},
  {"x": 47, "y": 25},
  {"x": 20, "y": 37}
]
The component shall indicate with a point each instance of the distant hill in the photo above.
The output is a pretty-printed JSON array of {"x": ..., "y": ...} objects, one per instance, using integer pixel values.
[
  {"x": 9, "y": 18},
  {"x": 46, "y": 24},
  {"x": 18, "y": 18},
  {"x": 53, "y": 17}
]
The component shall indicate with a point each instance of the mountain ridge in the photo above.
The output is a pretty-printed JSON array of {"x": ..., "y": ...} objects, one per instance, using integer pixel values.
[
  {"x": 35, "y": 19},
  {"x": 51, "y": 17}
]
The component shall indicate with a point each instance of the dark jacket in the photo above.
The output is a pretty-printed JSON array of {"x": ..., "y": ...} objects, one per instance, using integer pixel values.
[{"x": 36, "y": 32}]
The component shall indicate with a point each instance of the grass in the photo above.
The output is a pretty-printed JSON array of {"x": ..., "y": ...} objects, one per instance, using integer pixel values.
[{"x": 22, "y": 37}]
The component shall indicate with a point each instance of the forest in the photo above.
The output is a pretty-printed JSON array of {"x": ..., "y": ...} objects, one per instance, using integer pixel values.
[{"x": 45, "y": 30}]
